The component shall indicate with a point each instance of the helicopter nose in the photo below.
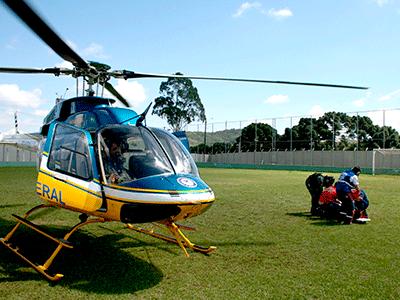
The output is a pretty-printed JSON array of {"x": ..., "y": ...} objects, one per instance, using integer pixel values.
[
  {"x": 173, "y": 184},
  {"x": 156, "y": 198}
]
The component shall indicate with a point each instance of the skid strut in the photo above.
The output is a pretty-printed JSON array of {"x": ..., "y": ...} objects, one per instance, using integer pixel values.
[
  {"x": 43, "y": 269},
  {"x": 178, "y": 237}
]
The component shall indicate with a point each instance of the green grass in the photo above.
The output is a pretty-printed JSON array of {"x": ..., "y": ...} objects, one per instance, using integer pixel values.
[{"x": 268, "y": 246}]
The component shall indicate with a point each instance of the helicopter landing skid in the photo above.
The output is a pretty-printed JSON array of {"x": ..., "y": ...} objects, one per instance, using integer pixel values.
[
  {"x": 43, "y": 269},
  {"x": 179, "y": 239}
]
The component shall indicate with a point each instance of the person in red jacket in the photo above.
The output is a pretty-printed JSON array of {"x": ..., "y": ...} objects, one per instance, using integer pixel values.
[{"x": 328, "y": 201}]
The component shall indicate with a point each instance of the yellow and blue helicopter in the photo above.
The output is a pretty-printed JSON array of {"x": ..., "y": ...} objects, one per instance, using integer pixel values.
[{"x": 104, "y": 163}]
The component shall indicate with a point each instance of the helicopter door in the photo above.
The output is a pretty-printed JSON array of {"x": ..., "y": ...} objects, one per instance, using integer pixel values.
[{"x": 70, "y": 178}]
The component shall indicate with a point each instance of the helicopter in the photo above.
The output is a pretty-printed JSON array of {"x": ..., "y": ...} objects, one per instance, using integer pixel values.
[{"x": 104, "y": 163}]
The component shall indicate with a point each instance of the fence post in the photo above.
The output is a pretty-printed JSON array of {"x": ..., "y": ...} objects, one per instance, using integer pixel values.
[
  {"x": 358, "y": 138},
  {"x": 205, "y": 141},
  {"x": 311, "y": 132},
  {"x": 383, "y": 129},
  {"x": 333, "y": 132},
  {"x": 291, "y": 134},
  {"x": 240, "y": 137}
]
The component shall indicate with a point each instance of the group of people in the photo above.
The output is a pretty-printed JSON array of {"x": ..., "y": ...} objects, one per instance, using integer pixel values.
[{"x": 343, "y": 201}]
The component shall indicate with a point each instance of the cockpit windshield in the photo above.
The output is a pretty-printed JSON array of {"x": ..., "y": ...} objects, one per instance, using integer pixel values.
[
  {"x": 129, "y": 153},
  {"x": 180, "y": 157}
]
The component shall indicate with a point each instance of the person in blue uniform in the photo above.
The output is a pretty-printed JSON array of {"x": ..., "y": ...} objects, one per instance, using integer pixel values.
[{"x": 347, "y": 182}]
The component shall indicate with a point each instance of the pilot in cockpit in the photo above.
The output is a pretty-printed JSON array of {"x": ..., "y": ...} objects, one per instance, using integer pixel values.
[{"x": 115, "y": 168}]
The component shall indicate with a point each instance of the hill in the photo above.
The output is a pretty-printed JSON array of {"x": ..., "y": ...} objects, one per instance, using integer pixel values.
[{"x": 223, "y": 136}]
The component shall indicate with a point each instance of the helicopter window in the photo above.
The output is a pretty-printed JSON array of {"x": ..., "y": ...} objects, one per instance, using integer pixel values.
[
  {"x": 104, "y": 117},
  {"x": 179, "y": 155},
  {"x": 76, "y": 120},
  {"x": 90, "y": 122},
  {"x": 39, "y": 153},
  {"x": 130, "y": 153},
  {"x": 70, "y": 152},
  {"x": 85, "y": 120},
  {"x": 51, "y": 116}
]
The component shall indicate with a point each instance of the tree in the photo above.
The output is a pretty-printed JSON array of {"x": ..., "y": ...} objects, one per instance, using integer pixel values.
[
  {"x": 259, "y": 136},
  {"x": 221, "y": 147},
  {"x": 336, "y": 130},
  {"x": 305, "y": 135},
  {"x": 336, "y": 125},
  {"x": 179, "y": 103},
  {"x": 362, "y": 130},
  {"x": 200, "y": 148}
]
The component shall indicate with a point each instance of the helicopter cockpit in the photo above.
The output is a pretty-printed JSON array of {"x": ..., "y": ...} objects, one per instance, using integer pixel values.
[
  {"x": 130, "y": 153},
  {"x": 181, "y": 158}
]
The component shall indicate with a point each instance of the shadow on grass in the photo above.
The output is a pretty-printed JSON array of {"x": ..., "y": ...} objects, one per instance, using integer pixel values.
[
  {"x": 176, "y": 250},
  {"x": 317, "y": 221},
  {"x": 95, "y": 265},
  {"x": 11, "y": 205}
]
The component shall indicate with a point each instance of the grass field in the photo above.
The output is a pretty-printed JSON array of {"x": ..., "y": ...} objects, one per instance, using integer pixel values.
[{"x": 268, "y": 246}]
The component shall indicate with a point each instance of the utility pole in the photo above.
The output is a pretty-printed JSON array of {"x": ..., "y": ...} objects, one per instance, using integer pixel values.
[{"x": 16, "y": 123}]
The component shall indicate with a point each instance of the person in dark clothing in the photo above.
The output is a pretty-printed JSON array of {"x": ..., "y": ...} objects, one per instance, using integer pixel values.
[
  {"x": 314, "y": 184},
  {"x": 115, "y": 168}
]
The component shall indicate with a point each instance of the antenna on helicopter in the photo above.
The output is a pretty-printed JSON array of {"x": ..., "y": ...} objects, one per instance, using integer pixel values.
[
  {"x": 59, "y": 98},
  {"x": 65, "y": 93},
  {"x": 142, "y": 116}
]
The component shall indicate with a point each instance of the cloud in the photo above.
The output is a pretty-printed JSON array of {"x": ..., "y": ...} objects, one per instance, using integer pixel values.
[
  {"x": 12, "y": 44},
  {"x": 274, "y": 13},
  {"x": 362, "y": 101},
  {"x": 95, "y": 50},
  {"x": 65, "y": 64},
  {"x": 317, "y": 111},
  {"x": 12, "y": 95},
  {"x": 391, "y": 118},
  {"x": 381, "y": 3},
  {"x": 40, "y": 112},
  {"x": 246, "y": 6},
  {"x": 27, "y": 122},
  {"x": 390, "y": 96},
  {"x": 359, "y": 102},
  {"x": 277, "y": 99},
  {"x": 280, "y": 13},
  {"x": 131, "y": 90}
]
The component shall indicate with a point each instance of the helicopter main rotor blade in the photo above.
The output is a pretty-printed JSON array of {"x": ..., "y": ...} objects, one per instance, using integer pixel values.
[
  {"x": 129, "y": 74},
  {"x": 117, "y": 95},
  {"x": 55, "y": 71},
  {"x": 47, "y": 34}
]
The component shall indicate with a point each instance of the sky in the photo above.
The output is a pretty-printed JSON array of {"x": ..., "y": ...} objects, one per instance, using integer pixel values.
[{"x": 351, "y": 42}]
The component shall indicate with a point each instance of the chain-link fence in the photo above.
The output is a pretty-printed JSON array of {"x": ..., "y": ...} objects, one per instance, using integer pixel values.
[{"x": 362, "y": 130}]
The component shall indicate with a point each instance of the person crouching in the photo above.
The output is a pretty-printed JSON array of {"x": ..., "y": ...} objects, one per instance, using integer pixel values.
[
  {"x": 361, "y": 204},
  {"x": 330, "y": 205},
  {"x": 347, "y": 182}
]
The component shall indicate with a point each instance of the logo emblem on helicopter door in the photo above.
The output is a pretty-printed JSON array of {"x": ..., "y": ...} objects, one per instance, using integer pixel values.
[{"x": 187, "y": 182}]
